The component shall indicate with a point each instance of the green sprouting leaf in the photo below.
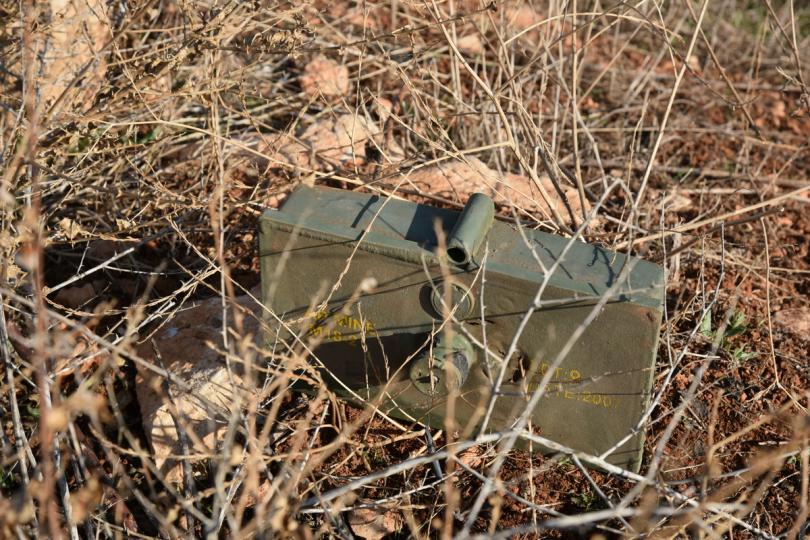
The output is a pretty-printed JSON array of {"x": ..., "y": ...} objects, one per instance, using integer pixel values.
[
  {"x": 741, "y": 355},
  {"x": 737, "y": 325},
  {"x": 706, "y": 325},
  {"x": 32, "y": 410},
  {"x": 586, "y": 500},
  {"x": 7, "y": 479}
]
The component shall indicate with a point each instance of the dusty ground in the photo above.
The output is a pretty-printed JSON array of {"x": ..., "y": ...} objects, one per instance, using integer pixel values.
[{"x": 160, "y": 130}]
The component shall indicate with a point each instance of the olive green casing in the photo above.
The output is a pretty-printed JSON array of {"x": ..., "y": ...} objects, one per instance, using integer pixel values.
[{"x": 369, "y": 343}]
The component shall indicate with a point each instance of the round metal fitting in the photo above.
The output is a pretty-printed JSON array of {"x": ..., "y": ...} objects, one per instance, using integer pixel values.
[
  {"x": 439, "y": 376},
  {"x": 460, "y": 296},
  {"x": 444, "y": 369}
]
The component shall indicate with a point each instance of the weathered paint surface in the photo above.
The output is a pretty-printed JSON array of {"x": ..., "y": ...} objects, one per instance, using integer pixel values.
[{"x": 366, "y": 342}]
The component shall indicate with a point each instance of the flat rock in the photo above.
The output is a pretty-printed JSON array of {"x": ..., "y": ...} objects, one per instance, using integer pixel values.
[
  {"x": 204, "y": 389},
  {"x": 795, "y": 320}
]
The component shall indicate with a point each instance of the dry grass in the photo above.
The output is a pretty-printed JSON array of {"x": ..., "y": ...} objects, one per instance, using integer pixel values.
[{"x": 141, "y": 140}]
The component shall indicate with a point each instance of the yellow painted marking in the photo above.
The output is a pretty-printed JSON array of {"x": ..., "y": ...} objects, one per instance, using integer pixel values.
[
  {"x": 353, "y": 325},
  {"x": 569, "y": 377}
]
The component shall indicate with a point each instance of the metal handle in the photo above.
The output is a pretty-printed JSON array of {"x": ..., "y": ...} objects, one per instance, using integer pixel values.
[{"x": 471, "y": 228}]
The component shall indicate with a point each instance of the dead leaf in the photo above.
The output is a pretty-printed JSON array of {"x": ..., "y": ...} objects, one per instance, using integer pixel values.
[
  {"x": 374, "y": 523},
  {"x": 74, "y": 351},
  {"x": 470, "y": 44},
  {"x": 525, "y": 17},
  {"x": 84, "y": 501},
  {"x": 78, "y": 31},
  {"x": 525, "y": 193},
  {"x": 340, "y": 139},
  {"x": 364, "y": 17},
  {"x": 71, "y": 228},
  {"x": 694, "y": 63},
  {"x": 124, "y": 224},
  {"x": 327, "y": 143},
  {"x": 779, "y": 109},
  {"x": 325, "y": 77},
  {"x": 677, "y": 201},
  {"x": 472, "y": 457},
  {"x": 261, "y": 496},
  {"x": 78, "y": 296},
  {"x": 384, "y": 108},
  {"x": 458, "y": 180}
]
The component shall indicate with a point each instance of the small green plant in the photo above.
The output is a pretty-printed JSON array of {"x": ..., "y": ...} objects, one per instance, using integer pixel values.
[
  {"x": 737, "y": 324},
  {"x": 741, "y": 355},
  {"x": 32, "y": 410},
  {"x": 586, "y": 500},
  {"x": 706, "y": 325},
  {"x": 566, "y": 463},
  {"x": 7, "y": 480},
  {"x": 150, "y": 136}
]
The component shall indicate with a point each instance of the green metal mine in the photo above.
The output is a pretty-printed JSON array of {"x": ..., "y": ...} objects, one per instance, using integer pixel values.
[{"x": 447, "y": 283}]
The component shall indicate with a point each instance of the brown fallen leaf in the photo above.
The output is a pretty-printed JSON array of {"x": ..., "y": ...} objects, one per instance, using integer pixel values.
[
  {"x": 458, "y": 180},
  {"x": 677, "y": 201},
  {"x": 374, "y": 523},
  {"x": 331, "y": 142},
  {"x": 75, "y": 351},
  {"x": 261, "y": 496},
  {"x": 71, "y": 228},
  {"x": 384, "y": 108},
  {"x": 340, "y": 139},
  {"x": 472, "y": 457},
  {"x": 78, "y": 31},
  {"x": 70, "y": 349},
  {"x": 325, "y": 77},
  {"x": 523, "y": 192},
  {"x": 78, "y": 296},
  {"x": 470, "y": 44},
  {"x": 525, "y": 18}
]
